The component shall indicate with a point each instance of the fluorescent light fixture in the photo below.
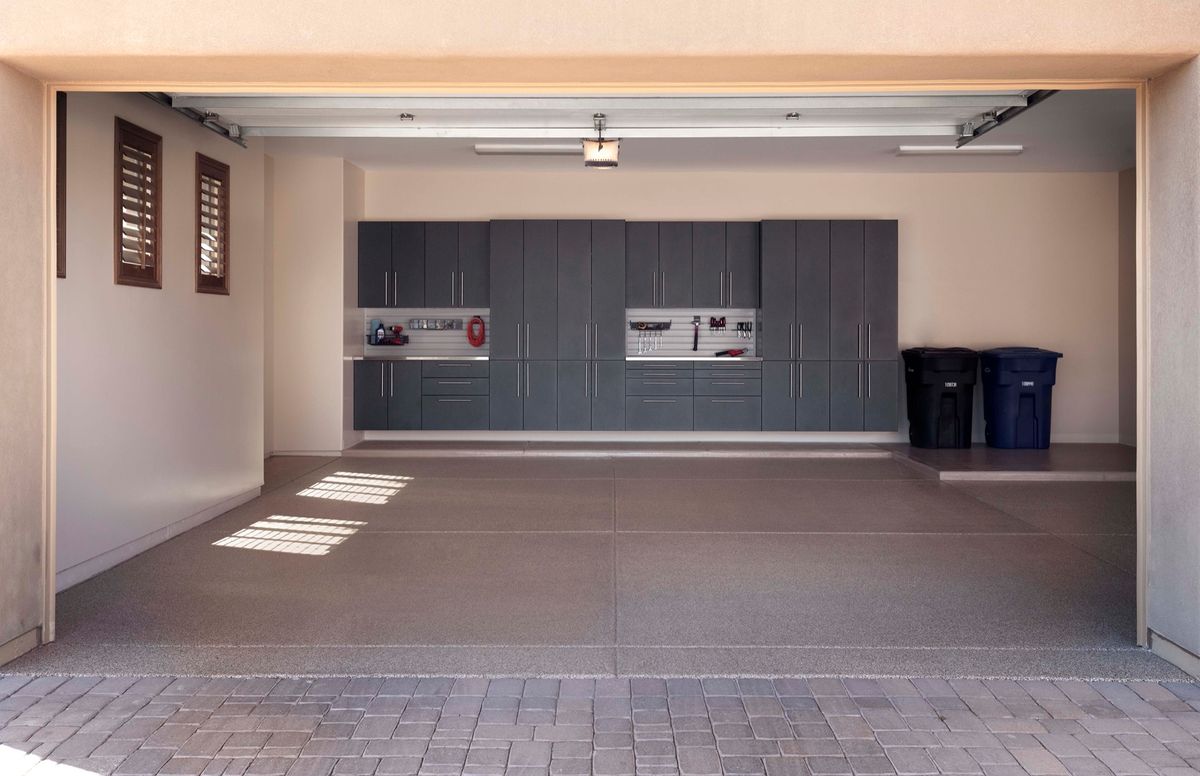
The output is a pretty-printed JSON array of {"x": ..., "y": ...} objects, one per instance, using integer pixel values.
[
  {"x": 601, "y": 154},
  {"x": 967, "y": 150},
  {"x": 528, "y": 149}
]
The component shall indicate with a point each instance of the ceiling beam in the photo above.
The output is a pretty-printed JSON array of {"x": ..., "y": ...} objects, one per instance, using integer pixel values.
[{"x": 417, "y": 131}]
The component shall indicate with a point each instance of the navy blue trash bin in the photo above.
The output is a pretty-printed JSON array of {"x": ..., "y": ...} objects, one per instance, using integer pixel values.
[{"x": 1017, "y": 388}]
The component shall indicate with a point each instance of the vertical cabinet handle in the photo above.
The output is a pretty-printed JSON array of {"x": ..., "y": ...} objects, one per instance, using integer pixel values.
[
  {"x": 518, "y": 342},
  {"x": 654, "y": 289},
  {"x": 587, "y": 389},
  {"x": 462, "y": 288},
  {"x": 860, "y": 380},
  {"x": 595, "y": 340},
  {"x": 586, "y": 339},
  {"x": 518, "y": 379},
  {"x": 868, "y": 340},
  {"x": 453, "y": 297},
  {"x": 868, "y": 380},
  {"x": 791, "y": 380},
  {"x": 527, "y": 381},
  {"x": 596, "y": 379},
  {"x": 730, "y": 297},
  {"x": 858, "y": 347},
  {"x": 527, "y": 351},
  {"x": 800, "y": 350},
  {"x": 791, "y": 340},
  {"x": 385, "y": 287},
  {"x": 664, "y": 288},
  {"x": 721, "y": 284},
  {"x": 800, "y": 381},
  {"x": 391, "y": 380},
  {"x": 381, "y": 379}
]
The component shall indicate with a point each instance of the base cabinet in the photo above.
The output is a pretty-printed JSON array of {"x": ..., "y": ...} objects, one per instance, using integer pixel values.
[
  {"x": 795, "y": 396},
  {"x": 507, "y": 406},
  {"x": 864, "y": 396},
  {"x": 539, "y": 387},
  {"x": 608, "y": 395},
  {"x": 658, "y": 413},
  {"x": 387, "y": 395},
  {"x": 727, "y": 413},
  {"x": 454, "y": 413}
]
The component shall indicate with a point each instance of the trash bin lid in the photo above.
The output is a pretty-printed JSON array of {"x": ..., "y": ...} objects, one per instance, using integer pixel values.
[
  {"x": 938, "y": 352},
  {"x": 1020, "y": 352}
]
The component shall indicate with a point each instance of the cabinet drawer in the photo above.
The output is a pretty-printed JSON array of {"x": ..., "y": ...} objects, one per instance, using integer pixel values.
[
  {"x": 644, "y": 413},
  {"x": 658, "y": 386},
  {"x": 745, "y": 369},
  {"x": 658, "y": 374},
  {"x": 728, "y": 386},
  {"x": 454, "y": 369},
  {"x": 715, "y": 413},
  {"x": 659, "y": 366},
  {"x": 454, "y": 386},
  {"x": 454, "y": 413}
]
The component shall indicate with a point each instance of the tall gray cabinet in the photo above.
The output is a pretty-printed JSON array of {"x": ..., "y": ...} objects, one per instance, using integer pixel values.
[
  {"x": 557, "y": 320},
  {"x": 829, "y": 307}
]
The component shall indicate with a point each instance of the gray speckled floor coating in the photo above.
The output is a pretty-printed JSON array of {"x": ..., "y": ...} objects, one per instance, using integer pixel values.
[{"x": 596, "y": 567}]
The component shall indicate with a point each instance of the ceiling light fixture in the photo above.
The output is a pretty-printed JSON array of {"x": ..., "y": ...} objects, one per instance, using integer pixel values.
[
  {"x": 793, "y": 116},
  {"x": 600, "y": 153},
  {"x": 969, "y": 150}
]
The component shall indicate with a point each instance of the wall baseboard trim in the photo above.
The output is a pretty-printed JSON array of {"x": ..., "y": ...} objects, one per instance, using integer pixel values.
[
  {"x": 14, "y": 648},
  {"x": 699, "y": 437},
  {"x": 89, "y": 568},
  {"x": 308, "y": 453},
  {"x": 1178, "y": 656}
]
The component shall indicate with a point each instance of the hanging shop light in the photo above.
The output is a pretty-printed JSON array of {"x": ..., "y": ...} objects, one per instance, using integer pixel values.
[{"x": 600, "y": 153}]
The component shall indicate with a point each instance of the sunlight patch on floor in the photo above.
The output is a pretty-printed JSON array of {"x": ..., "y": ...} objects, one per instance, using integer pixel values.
[
  {"x": 292, "y": 535},
  {"x": 356, "y": 487},
  {"x": 13, "y": 760}
]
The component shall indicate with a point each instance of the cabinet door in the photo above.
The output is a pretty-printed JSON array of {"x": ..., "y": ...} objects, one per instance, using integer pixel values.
[
  {"x": 846, "y": 395},
  {"x": 404, "y": 395},
  {"x": 504, "y": 395},
  {"x": 880, "y": 303},
  {"x": 506, "y": 271},
  {"x": 408, "y": 264},
  {"x": 727, "y": 413},
  {"x": 777, "y": 335},
  {"x": 882, "y": 408},
  {"x": 370, "y": 395},
  {"x": 441, "y": 264},
  {"x": 473, "y": 264},
  {"x": 641, "y": 264},
  {"x": 574, "y": 395},
  {"x": 741, "y": 264},
  {"x": 608, "y": 290},
  {"x": 374, "y": 263},
  {"x": 709, "y": 288},
  {"x": 675, "y": 264},
  {"x": 540, "y": 332},
  {"x": 812, "y": 396},
  {"x": 812, "y": 290},
  {"x": 778, "y": 393},
  {"x": 608, "y": 395},
  {"x": 574, "y": 289},
  {"x": 541, "y": 395},
  {"x": 846, "y": 290}
]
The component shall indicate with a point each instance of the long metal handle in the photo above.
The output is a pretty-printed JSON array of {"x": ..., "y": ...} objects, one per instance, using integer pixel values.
[
  {"x": 385, "y": 285},
  {"x": 654, "y": 289},
  {"x": 664, "y": 288},
  {"x": 728, "y": 401},
  {"x": 731, "y": 288},
  {"x": 518, "y": 341},
  {"x": 391, "y": 380},
  {"x": 860, "y": 381},
  {"x": 791, "y": 380},
  {"x": 595, "y": 340},
  {"x": 462, "y": 288},
  {"x": 596, "y": 379},
  {"x": 800, "y": 340},
  {"x": 455, "y": 400},
  {"x": 660, "y": 401},
  {"x": 586, "y": 390},
  {"x": 395, "y": 293},
  {"x": 381, "y": 379},
  {"x": 453, "y": 363},
  {"x": 868, "y": 380},
  {"x": 527, "y": 381},
  {"x": 732, "y": 382},
  {"x": 527, "y": 343},
  {"x": 868, "y": 340},
  {"x": 586, "y": 340},
  {"x": 791, "y": 340},
  {"x": 800, "y": 381},
  {"x": 456, "y": 382},
  {"x": 659, "y": 382},
  {"x": 858, "y": 347},
  {"x": 452, "y": 295},
  {"x": 518, "y": 379},
  {"x": 721, "y": 283}
]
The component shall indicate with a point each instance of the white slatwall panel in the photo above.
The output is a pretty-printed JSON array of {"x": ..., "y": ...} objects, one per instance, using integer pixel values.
[
  {"x": 426, "y": 342},
  {"x": 677, "y": 341}
]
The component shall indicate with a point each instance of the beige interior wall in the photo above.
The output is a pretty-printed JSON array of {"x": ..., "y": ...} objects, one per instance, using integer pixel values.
[
  {"x": 985, "y": 259},
  {"x": 353, "y": 211},
  {"x": 1127, "y": 305},
  {"x": 23, "y": 279},
  {"x": 1173, "y": 361},
  {"x": 307, "y": 303},
  {"x": 159, "y": 390}
]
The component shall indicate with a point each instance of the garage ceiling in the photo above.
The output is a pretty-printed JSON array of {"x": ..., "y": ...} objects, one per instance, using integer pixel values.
[{"x": 1081, "y": 130}]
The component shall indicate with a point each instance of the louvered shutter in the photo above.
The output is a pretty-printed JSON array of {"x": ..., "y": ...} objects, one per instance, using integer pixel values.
[
  {"x": 212, "y": 225},
  {"x": 138, "y": 205}
]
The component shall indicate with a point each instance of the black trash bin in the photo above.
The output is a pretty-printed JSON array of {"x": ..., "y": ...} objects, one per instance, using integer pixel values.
[
  {"x": 940, "y": 384},
  {"x": 1017, "y": 387}
]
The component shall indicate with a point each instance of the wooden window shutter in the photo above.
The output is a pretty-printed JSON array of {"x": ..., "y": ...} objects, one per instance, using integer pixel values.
[
  {"x": 212, "y": 226},
  {"x": 138, "y": 216}
]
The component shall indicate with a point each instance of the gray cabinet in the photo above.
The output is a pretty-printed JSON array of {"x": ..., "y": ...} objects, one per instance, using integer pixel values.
[
  {"x": 742, "y": 264},
  {"x": 811, "y": 332},
  {"x": 846, "y": 392},
  {"x": 540, "y": 395},
  {"x": 454, "y": 413},
  {"x": 387, "y": 395},
  {"x": 574, "y": 290},
  {"x": 608, "y": 288},
  {"x": 370, "y": 395},
  {"x": 658, "y": 413},
  {"x": 727, "y": 413},
  {"x": 796, "y": 395},
  {"x": 675, "y": 264},
  {"x": 507, "y": 405},
  {"x": 574, "y": 395},
  {"x": 708, "y": 264},
  {"x": 608, "y": 395},
  {"x": 777, "y": 329},
  {"x": 391, "y": 264},
  {"x": 846, "y": 286},
  {"x": 812, "y": 395},
  {"x": 880, "y": 289},
  {"x": 456, "y": 264},
  {"x": 882, "y": 402},
  {"x": 540, "y": 291},
  {"x": 641, "y": 264},
  {"x": 506, "y": 250},
  {"x": 725, "y": 264}
]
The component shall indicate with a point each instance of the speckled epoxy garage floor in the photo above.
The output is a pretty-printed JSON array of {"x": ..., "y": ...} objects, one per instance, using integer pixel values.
[{"x": 601, "y": 566}]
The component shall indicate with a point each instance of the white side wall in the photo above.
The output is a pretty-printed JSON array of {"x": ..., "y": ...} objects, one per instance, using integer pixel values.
[
  {"x": 159, "y": 390},
  {"x": 985, "y": 259},
  {"x": 353, "y": 211},
  {"x": 307, "y": 302}
]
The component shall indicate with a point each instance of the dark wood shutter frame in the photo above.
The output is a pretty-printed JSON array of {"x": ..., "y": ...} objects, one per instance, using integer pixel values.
[
  {"x": 212, "y": 226},
  {"x": 137, "y": 207}
]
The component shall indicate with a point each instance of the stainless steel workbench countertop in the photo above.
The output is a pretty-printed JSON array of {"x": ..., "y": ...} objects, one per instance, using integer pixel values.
[
  {"x": 399, "y": 357},
  {"x": 693, "y": 358}
]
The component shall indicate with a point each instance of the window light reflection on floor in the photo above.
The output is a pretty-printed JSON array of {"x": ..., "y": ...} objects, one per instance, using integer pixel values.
[
  {"x": 292, "y": 535},
  {"x": 13, "y": 760},
  {"x": 357, "y": 487}
]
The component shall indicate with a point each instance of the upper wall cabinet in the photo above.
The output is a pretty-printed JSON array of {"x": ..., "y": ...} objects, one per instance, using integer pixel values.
[
  {"x": 863, "y": 290},
  {"x": 710, "y": 264},
  {"x": 725, "y": 264},
  {"x": 418, "y": 264}
]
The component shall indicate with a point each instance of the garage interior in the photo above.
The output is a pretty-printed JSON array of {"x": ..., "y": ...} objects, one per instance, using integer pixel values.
[{"x": 501, "y": 551}]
